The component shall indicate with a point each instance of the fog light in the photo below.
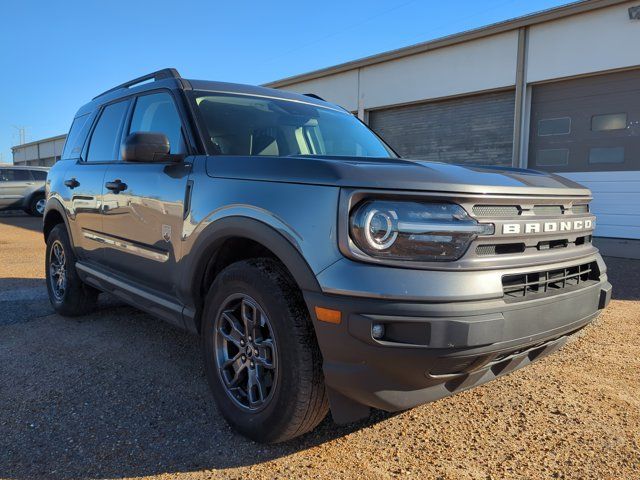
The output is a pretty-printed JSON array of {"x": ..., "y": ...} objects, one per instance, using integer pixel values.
[{"x": 377, "y": 331}]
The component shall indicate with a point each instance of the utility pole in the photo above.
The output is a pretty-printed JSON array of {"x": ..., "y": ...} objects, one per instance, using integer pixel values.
[{"x": 22, "y": 134}]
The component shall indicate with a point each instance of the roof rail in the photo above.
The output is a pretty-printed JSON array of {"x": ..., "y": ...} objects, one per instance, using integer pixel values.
[
  {"x": 313, "y": 95},
  {"x": 155, "y": 76}
]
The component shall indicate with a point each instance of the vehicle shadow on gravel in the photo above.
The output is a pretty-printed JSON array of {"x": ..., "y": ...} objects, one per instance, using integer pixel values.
[
  {"x": 117, "y": 393},
  {"x": 25, "y": 299},
  {"x": 22, "y": 220}
]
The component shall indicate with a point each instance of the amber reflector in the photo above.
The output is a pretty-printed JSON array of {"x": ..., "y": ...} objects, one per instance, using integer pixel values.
[{"x": 328, "y": 315}]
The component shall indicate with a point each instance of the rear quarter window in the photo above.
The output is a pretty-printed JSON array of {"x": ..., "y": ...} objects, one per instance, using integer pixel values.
[
  {"x": 76, "y": 137},
  {"x": 39, "y": 175}
]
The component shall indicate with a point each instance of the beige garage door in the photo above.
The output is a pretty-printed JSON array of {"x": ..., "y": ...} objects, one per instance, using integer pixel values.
[{"x": 476, "y": 129}]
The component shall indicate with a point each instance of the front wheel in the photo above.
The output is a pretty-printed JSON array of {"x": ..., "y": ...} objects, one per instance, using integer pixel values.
[
  {"x": 261, "y": 356},
  {"x": 67, "y": 293}
]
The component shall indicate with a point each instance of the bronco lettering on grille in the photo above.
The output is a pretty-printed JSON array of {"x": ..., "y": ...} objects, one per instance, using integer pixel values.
[{"x": 548, "y": 227}]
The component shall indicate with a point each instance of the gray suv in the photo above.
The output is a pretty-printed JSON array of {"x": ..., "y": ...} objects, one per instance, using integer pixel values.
[
  {"x": 320, "y": 270},
  {"x": 22, "y": 188}
]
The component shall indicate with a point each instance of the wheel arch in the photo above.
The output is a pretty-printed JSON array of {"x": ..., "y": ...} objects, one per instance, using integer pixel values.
[
  {"x": 54, "y": 214},
  {"x": 204, "y": 253}
]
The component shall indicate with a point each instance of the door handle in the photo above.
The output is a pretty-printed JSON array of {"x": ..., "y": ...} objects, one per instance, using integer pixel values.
[
  {"x": 116, "y": 186},
  {"x": 72, "y": 183}
]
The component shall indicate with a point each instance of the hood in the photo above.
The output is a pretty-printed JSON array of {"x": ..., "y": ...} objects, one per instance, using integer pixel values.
[{"x": 393, "y": 174}]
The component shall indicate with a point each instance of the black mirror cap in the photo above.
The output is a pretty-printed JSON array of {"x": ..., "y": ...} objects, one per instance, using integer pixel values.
[{"x": 146, "y": 147}]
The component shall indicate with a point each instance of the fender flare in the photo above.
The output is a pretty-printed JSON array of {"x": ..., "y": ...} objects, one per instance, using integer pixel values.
[
  {"x": 53, "y": 204},
  {"x": 212, "y": 237}
]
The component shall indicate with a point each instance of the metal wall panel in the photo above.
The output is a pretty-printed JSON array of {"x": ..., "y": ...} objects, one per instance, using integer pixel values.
[
  {"x": 616, "y": 196},
  {"x": 474, "y": 129},
  {"x": 600, "y": 40}
]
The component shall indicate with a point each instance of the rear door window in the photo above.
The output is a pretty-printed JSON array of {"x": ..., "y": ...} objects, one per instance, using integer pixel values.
[
  {"x": 16, "y": 175},
  {"x": 105, "y": 140},
  {"x": 39, "y": 175}
]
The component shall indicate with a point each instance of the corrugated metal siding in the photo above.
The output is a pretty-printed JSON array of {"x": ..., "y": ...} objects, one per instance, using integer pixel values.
[
  {"x": 476, "y": 129},
  {"x": 616, "y": 198}
]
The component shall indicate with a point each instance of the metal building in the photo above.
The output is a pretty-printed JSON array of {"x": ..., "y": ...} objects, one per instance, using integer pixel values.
[
  {"x": 557, "y": 90},
  {"x": 42, "y": 153}
]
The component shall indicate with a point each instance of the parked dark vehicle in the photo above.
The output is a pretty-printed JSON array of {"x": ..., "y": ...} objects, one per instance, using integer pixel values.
[
  {"x": 320, "y": 270},
  {"x": 22, "y": 188}
]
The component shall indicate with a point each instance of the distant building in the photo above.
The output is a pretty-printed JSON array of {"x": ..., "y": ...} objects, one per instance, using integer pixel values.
[{"x": 42, "y": 153}]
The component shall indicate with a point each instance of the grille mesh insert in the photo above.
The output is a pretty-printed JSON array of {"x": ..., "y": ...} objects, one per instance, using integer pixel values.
[
  {"x": 496, "y": 210},
  {"x": 580, "y": 209},
  {"x": 547, "y": 210}
]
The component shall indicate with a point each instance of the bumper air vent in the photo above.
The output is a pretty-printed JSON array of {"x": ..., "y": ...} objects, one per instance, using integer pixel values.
[
  {"x": 529, "y": 286},
  {"x": 503, "y": 249}
]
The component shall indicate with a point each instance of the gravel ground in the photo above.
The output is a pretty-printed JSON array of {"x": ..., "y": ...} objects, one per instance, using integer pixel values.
[{"x": 120, "y": 394}]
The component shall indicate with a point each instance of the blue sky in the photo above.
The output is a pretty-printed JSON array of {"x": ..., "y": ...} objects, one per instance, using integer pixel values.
[{"x": 55, "y": 56}]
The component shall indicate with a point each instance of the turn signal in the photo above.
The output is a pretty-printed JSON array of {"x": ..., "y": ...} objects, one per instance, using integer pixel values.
[{"x": 328, "y": 315}]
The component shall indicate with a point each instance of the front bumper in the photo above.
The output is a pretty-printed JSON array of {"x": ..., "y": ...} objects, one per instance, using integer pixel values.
[{"x": 432, "y": 349}]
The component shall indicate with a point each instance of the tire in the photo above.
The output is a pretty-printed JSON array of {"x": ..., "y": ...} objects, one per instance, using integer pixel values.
[
  {"x": 36, "y": 206},
  {"x": 75, "y": 297},
  {"x": 293, "y": 399}
]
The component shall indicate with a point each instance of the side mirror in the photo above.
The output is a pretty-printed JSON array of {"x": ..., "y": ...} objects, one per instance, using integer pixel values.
[{"x": 146, "y": 147}]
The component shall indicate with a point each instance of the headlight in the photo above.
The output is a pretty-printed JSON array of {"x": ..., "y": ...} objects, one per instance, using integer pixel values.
[{"x": 413, "y": 231}]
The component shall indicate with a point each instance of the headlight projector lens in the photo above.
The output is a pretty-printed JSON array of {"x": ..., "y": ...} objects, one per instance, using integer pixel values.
[{"x": 380, "y": 228}]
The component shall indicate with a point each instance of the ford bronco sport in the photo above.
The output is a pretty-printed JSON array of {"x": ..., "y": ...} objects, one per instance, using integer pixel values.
[{"x": 321, "y": 270}]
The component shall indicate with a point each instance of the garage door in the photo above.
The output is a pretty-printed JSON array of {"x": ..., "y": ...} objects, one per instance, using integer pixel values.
[
  {"x": 476, "y": 129},
  {"x": 588, "y": 129}
]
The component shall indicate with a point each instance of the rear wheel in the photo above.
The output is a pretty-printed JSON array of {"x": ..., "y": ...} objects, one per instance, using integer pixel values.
[
  {"x": 261, "y": 355},
  {"x": 67, "y": 293},
  {"x": 36, "y": 205}
]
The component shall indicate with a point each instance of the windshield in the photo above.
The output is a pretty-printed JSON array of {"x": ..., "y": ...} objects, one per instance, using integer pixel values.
[{"x": 252, "y": 125}]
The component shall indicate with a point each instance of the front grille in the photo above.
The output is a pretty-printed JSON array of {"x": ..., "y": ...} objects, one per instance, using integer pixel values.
[
  {"x": 532, "y": 285},
  {"x": 498, "y": 211}
]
